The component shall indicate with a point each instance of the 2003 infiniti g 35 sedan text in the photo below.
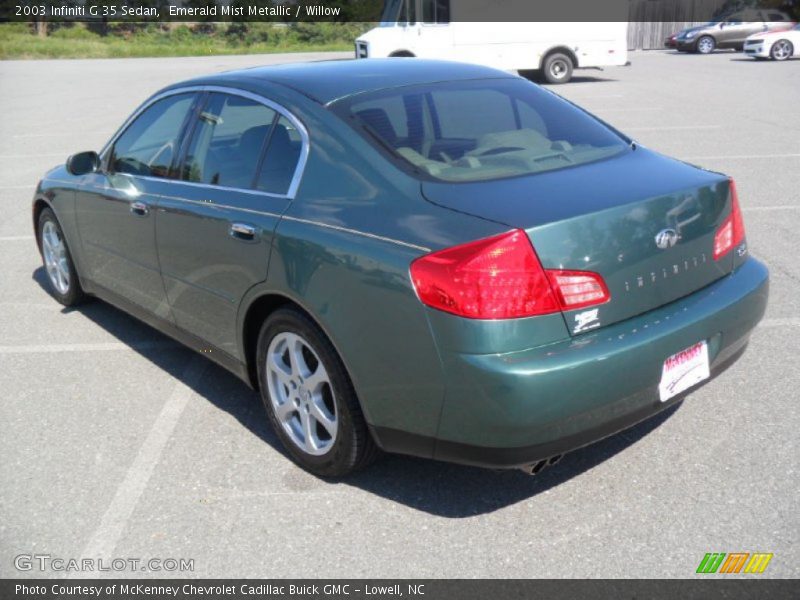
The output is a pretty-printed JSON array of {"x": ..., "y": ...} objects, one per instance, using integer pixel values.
[{"x": 422, "y": 257}]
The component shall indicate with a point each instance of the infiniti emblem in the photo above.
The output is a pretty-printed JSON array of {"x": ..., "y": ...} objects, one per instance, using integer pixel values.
[{"x": 667, "y": 238}]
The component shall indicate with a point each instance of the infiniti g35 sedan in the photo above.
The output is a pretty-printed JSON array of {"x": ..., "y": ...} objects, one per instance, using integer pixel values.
[{"x": 420, "y": 257}]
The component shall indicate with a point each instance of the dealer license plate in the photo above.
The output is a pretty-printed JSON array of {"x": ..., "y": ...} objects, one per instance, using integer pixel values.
[{"x": 683, "y": 370}]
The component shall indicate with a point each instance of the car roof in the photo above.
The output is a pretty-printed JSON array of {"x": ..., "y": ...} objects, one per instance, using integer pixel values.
[{"x": 327, "y": 81}]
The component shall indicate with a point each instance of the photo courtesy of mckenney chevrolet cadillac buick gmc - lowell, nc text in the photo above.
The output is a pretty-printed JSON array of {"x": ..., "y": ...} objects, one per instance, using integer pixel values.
[{"x": 392, "y": 273}]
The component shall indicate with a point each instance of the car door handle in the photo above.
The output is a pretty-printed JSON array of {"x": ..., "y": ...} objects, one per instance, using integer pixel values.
[
  {"x": 243, "y": 231},
  {"x": 140, "y": 209}
]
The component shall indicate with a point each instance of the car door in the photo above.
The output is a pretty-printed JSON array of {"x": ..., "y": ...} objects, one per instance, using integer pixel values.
[
  {"x": 214, "y": 225},
  {"x": 115, "y": 205},
  {"x": 735, "y": 29}
]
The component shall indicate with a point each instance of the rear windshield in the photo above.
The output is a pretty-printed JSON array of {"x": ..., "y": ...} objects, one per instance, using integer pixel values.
[{"x": 479, "y": 130}]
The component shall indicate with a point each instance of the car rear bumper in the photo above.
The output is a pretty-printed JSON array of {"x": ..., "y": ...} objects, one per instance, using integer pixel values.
[{"x": 514, "y": 409}]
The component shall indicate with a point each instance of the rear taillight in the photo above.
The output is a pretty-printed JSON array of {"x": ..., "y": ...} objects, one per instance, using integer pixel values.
[
  {"x": 577, "y": 289},
  {"x": 731, "y": 233},
  {"x": 501, "y": 278}
]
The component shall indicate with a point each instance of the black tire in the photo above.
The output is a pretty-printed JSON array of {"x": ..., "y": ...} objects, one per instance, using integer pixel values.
[
  {"x": 353, "y": 447},
  {"x": 72, "y": 293},
  {"x": 777, "y": 50},
  {"x": 557, "y": 68},
  {"x": 705, "y": 44}
]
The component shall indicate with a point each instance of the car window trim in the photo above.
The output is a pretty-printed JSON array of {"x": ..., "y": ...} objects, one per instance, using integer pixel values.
[
  {"x": 298, "y": 124},
  {"x": 264, "y": 149},
  {"x": 188, "y": 133}
]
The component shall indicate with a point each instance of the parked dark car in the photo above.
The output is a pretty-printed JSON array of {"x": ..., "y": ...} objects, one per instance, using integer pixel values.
[
  {"x": 730, "y": 32},
  {"x": 423, "y": 257}
]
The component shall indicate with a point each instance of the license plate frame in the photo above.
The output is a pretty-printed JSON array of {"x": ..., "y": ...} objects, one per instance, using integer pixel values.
[{"x": 683, "y": 370}]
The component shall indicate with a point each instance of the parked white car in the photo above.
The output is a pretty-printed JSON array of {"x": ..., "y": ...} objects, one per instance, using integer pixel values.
[
  {"x": 429, "y": 29},
  {"x": 777, "y": 45}
]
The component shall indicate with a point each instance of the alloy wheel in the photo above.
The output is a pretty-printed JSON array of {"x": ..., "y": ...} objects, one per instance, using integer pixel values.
[
  {"x": 301, "y": 394},
  {"x": 705, "y": 45},
  {"x": 55, "y": 257},
  {"x": 782, "y": 50}
]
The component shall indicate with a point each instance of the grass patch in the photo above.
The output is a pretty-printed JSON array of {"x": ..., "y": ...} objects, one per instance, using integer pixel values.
[{"x": 129, "y": 40}]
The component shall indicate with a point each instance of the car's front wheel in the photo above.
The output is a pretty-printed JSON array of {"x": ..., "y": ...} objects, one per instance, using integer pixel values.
[
  {"x": 309, "y": 397},
  {"x": 781, "y": 50},
  {"x": 61, "y": 274},
  {"x": 706, "y": 44}
]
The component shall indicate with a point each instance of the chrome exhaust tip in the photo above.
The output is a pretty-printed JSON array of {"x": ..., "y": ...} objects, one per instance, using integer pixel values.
[
  {"x": 537, "y": 467},
  {"x": 534, "y": 468}
]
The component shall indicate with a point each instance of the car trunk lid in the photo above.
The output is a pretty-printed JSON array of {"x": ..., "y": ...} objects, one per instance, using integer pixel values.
[{"x": 644, "y": 222}]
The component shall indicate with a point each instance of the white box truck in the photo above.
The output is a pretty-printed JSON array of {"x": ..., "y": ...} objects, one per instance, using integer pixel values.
[{"x": 432, "y": 29}]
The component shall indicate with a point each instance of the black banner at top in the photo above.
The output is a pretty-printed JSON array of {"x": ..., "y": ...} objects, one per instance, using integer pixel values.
[{"x": 400, "y": 12}]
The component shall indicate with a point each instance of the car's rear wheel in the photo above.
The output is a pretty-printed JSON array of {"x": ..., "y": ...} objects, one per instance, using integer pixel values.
[
  {"x": 61, "y": 274},
  {"x": 309, "y": 398},
  {"x": 781, "y": 50},
  {"x": 706, "y": 44},
  {"x": 557, "y": 68}
]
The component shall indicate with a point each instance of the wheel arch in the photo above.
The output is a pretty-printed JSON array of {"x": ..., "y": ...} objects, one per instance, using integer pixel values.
[
  {"x": 561, "y": 49},
  {"x": 38, "y": 206},
  {"x": 259, "y": 310}
]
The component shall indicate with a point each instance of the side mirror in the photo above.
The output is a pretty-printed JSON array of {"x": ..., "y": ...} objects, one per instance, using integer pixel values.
[{"x": 83, "y": 163}]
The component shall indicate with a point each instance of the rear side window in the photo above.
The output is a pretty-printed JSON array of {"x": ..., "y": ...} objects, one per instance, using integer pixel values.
[
  {"x": 228, "y": 141},
  {"x": 479, "y": 130},
  {"x": 148, "y": 145},
  {"x": 281, "y": 158}
]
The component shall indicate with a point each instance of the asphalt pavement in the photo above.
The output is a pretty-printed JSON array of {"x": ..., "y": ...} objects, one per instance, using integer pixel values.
[{"x": 118, "y": 443}]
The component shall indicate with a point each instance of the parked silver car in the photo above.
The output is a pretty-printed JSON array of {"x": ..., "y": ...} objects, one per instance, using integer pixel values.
[{"x": 732, "y": 31}]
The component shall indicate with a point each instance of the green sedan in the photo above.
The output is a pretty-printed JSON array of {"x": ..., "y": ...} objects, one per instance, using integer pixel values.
[{"x": 410, "y": 256}]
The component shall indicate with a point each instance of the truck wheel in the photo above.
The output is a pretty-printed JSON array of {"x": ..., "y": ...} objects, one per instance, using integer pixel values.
[{"x": 557, "y": 68}]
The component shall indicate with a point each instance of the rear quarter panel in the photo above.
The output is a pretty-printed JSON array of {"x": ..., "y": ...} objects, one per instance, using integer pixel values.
[{"x": 342, "y": 251}]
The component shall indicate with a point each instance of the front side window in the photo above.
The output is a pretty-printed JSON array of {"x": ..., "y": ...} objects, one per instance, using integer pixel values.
[
  {"x": 479, "y": 130},
  {"x": 228, "y": 141},
  {"x": 148, "y": 146}
]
